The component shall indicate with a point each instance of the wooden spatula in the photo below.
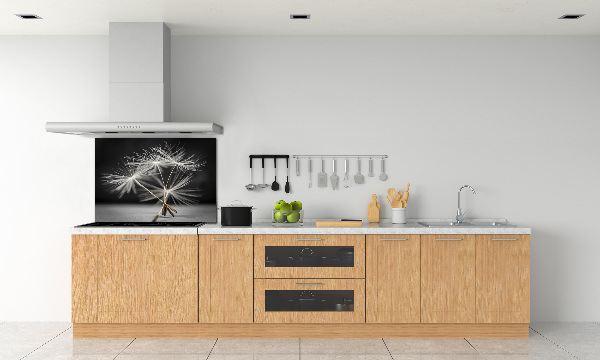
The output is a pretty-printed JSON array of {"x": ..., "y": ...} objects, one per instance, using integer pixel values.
[{"x": 404, "y": 199}]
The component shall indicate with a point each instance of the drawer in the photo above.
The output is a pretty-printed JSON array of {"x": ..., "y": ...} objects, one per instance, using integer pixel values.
[
  {"x": 309, "y": 300},
  {"x": 309, "y": 256}
]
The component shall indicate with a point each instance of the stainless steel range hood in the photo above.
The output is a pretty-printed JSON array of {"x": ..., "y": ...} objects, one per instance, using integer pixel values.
[{"x": 140, "y": 88}]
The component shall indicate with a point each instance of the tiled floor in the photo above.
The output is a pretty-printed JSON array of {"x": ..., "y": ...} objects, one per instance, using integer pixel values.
[{"x": 547, "y": 341}]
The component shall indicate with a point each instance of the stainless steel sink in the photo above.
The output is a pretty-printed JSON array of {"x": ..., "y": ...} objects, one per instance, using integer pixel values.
[{"x": 465, "y": 224}]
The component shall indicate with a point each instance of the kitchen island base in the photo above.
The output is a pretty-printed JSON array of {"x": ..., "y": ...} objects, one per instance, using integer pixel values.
[{"x": 300, "y": 330}]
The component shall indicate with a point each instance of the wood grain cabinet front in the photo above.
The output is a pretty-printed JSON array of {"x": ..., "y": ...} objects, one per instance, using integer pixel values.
[
  {"x": 84, "y": 278},
  {"x": 448, "y": 278},
  {"x": 502, "y": 269},
  {"x": 225, "y": 281},
  {"x": 309, "y": 256},
  {"x": 393, "y": 279},
  {"x": 147, "y": 279}
]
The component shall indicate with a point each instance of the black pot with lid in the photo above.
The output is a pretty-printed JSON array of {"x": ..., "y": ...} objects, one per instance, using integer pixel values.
[{"x": 236, "y": 214}]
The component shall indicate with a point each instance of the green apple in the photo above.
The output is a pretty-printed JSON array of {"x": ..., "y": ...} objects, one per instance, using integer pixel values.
[
  {"x": 278, "y": 216},
  {"x": 293, "y": 217},
  {"x": 296, "y": 205},
  {"x": 278, "y": 204},
  {"x": 285, "y": 208}
]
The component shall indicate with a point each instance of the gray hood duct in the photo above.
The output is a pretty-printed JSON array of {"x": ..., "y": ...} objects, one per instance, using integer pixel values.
[{"x": 140, "y": 87}]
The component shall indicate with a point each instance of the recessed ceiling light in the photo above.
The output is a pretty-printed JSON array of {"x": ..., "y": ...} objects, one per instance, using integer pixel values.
[
  {"x": 300, "y": 16},
  {"x": 571, "y": 16},
  {"x": 28, "y": 16}
]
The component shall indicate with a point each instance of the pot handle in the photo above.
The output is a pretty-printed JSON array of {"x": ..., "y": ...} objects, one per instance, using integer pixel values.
[{"x": 236, "y": 201}]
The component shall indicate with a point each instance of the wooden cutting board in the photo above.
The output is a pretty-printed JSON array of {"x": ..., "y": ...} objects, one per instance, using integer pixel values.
[{"x": 333, "y": 223}]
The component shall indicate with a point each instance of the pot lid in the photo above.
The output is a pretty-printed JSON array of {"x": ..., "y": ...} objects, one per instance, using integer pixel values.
[{"x": 237, "y": 203}]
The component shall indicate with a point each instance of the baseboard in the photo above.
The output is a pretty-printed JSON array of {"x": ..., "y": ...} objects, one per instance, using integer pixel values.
[{"x": 299, "y": 330}]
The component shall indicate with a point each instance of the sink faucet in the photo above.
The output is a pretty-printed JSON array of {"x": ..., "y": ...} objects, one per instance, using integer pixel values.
[{"x": 460, "y": 215}]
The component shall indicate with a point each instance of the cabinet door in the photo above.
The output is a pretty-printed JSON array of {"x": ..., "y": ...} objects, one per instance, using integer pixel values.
[
  {"x": 502, "y": 278},
  {"x": 148, "y": 278},
  {"x": 225, "y": 280},
  {"x": 84, "y": 284},
  {"x": 448, "y": 278},
  {"x": 393, "y": 279}
]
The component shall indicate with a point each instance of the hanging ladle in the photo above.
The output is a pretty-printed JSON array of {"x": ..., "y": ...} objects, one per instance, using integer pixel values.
[
  {"x": 251, "y": 186},
  {"x": 263, "y": 185}
]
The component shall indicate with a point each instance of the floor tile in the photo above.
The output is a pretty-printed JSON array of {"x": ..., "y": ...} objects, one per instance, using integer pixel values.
[
  {"x": 162, "y": 356},
  {"x": 581, "y": 340},
  {"x": 228, "y": 346},
  {"x": 254, "y": 357},
  {"x": 171, "y": 346},
  {"x": 343, "y": 346},
  {"x": 348, "y": 357},
  {"x": 529, "y": 357},
  {"x": 587, "y": 331},
  {"x": 65, "y": 347},
  {"x": 418, "y": 346},
  {"x": 69, "y": 357},
  {"x": 500, "y": 346},
  {"x": 17, "y": 339}
]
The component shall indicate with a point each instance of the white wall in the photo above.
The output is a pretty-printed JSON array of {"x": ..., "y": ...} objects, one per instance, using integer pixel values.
[{"x": 516, "y": 117}]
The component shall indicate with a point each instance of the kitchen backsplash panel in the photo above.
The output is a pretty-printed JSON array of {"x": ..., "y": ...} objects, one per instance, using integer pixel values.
[{"x": 147, "y": 180}]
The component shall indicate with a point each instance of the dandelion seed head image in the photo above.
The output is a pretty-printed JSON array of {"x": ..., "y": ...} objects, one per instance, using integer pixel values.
[{"x": 166, "y": 180}]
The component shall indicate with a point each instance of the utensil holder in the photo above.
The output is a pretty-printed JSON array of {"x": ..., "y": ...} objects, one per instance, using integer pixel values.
[{"x": 398, "y": 215}]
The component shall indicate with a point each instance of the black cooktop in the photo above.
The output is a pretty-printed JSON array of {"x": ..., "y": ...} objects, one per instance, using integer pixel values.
[{"x": 152, "y": 224}]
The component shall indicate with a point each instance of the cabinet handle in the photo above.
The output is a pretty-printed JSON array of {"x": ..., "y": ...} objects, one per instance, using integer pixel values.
[
  {"x": 133, "y": 239},
  {"x": 309, "y": 284},
  {"x": 309, "y": 239},
  {"x": 393, "y": 239},
  {"x": 449, "y": 239},
  {"x": 504, "y": 239},
  {"x": 226, "y": 239}
]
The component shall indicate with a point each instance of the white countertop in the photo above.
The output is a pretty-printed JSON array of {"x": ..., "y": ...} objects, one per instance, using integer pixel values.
[{"x": 263, "y": 226}]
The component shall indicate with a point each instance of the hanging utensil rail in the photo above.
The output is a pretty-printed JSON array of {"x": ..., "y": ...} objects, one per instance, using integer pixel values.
[{"x": 340, "y": 156}]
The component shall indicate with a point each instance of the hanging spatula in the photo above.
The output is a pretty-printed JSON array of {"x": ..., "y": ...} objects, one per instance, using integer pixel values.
[
  {"x": 334, "y": 178},
  {"x": 359, "y": 178},
  {"x": 322, "y": 177}
]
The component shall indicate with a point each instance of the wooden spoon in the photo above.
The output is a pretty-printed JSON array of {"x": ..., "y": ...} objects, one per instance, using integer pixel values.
[
  {"x": 388, "y": 199},
  {"x": 398, "y": 195}
]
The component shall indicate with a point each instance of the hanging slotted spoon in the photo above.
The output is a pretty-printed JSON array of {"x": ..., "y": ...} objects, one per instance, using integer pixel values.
[{"x": 346, "y": 176}]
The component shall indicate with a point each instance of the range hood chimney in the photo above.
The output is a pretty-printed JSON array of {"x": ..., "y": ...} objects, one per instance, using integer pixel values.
[{"x": 140, "y": 87}]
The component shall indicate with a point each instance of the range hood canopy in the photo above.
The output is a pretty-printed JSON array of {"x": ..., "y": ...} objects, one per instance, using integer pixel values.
[
  {"x": 114, "y": 129},
  {"x": 139, "y": 86}
]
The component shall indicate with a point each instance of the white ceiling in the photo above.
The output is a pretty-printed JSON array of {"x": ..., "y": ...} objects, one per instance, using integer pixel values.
[{"x": 328, "y": 17}]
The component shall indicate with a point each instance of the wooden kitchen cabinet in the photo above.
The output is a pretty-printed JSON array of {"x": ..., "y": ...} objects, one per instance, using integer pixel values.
[
  {"x": 393, "y": 279},
  {"x": 147, "y": 278},
  {"x": 447, "y": 278},
  {"x": 502, "y": 269},
  {"x": 225, "y": 278},
  {"x": 84, "y": 281}
]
